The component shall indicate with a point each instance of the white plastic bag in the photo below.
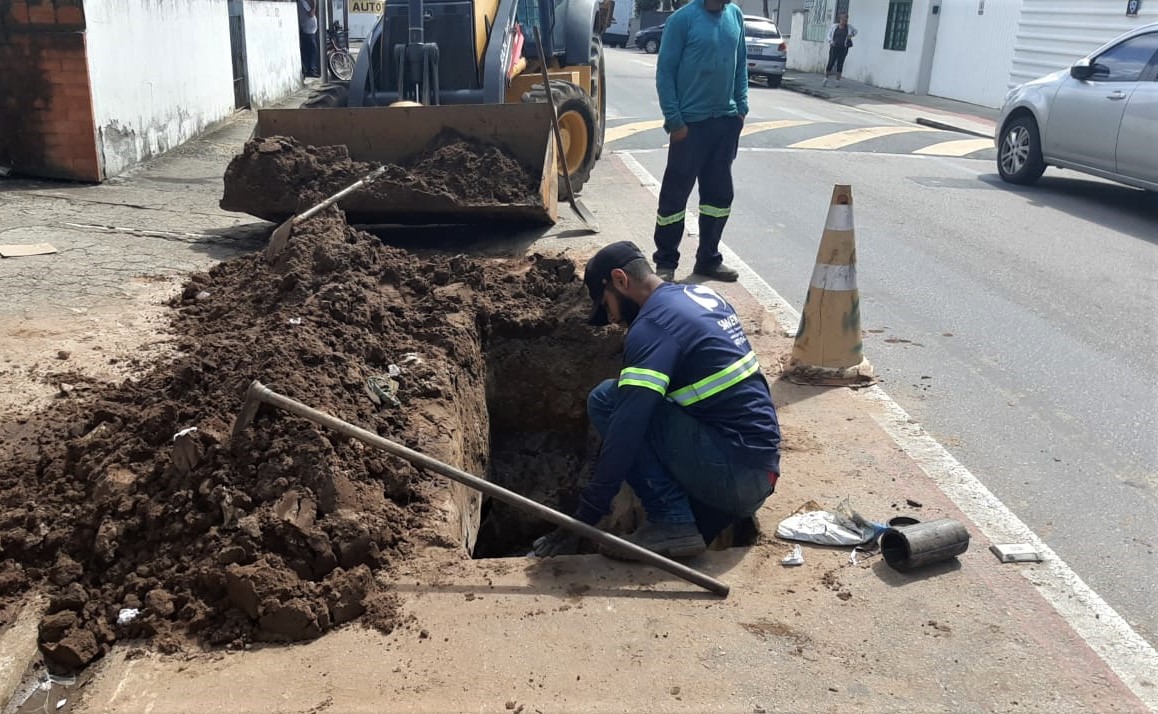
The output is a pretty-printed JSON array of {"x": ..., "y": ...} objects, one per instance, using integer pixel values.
[{"x": 844, "y": 527}]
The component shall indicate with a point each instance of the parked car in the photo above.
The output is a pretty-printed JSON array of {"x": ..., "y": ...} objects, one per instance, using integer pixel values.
[
  {"x": 648, "y": 38},
  {"x": 767, "y": 50},
  {"x": 1100, "y": 116}
]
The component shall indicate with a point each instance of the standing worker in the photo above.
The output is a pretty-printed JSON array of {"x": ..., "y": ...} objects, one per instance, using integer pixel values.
[
  {"x": 308, "y": 36},
  {"x": 839, "y": 40},
  {"x": 702, "y": 82},
  {"x": 689, "y": 424}
]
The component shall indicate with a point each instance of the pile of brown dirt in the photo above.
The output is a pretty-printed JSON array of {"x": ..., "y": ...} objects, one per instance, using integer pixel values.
[
  {"x": 109, "y": 504},
  {"x": 282, "y": 176}
]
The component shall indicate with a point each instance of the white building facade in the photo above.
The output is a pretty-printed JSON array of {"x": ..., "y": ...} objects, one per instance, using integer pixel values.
[{"x": 969, "y": 50}]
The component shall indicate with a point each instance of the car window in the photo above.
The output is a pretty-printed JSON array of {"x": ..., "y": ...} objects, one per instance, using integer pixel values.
[
  {"x": 763, "y": 30},
  {"x": 1125, "y": 62}
]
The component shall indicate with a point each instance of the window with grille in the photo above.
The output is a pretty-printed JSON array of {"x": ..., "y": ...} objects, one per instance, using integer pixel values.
[
  {"x": 897, "y": 25},
  {"x": 818, "y": 19}
]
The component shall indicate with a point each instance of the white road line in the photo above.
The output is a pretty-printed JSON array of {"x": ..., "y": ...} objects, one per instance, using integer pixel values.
[
  {"x": 1103, "y": 629},
  {"x": 958, "y": 147},
  {"x": 849, "y": 137}
]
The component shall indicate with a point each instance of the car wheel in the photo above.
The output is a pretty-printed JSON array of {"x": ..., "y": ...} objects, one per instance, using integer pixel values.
[
  {"x": 651, "y": 47},
  {"x": 773, "y": 80},
  {"x": 1019, "y": 154}
]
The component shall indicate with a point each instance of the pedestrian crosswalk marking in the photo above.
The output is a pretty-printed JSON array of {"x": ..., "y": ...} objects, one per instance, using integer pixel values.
[
  {"x": 615, "y": 133},
  {"x": 756, "y": 126},
  {"x": 849, "y": 137},
  {"x": 958, "y": 147},
  {"x": 825, "y": 142}
]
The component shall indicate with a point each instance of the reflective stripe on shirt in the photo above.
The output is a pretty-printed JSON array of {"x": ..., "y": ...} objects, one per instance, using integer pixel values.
[{"x": 713, "y": 384}]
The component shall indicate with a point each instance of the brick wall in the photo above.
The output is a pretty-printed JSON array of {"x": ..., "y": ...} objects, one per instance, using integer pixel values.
[{"x": 46, "y": 110}]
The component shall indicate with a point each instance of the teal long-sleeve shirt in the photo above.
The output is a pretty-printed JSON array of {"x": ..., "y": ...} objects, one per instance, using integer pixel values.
[{"x": 702, "y": 71}]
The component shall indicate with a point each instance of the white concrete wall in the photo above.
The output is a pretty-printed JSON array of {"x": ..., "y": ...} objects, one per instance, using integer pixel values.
[
  {"x": 161, "y": 72},
  {"x": 803, "y": 55},
  {"x": 272, "y": 51},
  {"x": 1053, "y": 34},
  {"x": 868, "y": 61},
  {"x": 974, "y": 51}
]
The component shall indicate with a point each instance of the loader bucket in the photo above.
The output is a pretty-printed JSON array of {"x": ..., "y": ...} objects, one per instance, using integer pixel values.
[{"x": 396, "y": 135}]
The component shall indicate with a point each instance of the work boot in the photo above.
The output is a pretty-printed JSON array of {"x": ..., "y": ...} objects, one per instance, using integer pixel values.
[
  {"x": 721, "y": 272},
  {"x": 666, "y": 274},
  {"x": 671, "y": 540}
]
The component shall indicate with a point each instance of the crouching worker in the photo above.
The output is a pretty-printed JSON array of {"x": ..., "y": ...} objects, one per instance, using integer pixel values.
[{"x": 689, "y": 424}]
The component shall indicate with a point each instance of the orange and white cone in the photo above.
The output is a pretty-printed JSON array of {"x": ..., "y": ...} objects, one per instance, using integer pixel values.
[{"x": 829, "y": 348}]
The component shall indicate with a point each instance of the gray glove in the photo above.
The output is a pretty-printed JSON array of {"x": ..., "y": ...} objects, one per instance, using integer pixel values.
[{"x": 558, "y": 542}]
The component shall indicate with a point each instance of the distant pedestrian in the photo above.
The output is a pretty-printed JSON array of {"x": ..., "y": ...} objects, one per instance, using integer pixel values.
[
  {"x": 308, "y": 34},
  {"x": 839, "y": 40},
  {"x": 702, "y": 82}
]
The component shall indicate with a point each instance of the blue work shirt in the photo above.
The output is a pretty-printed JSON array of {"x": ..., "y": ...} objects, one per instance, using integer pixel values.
[
  {"x": 686, "y": 346},
  {"x": 703, "y": 65}
]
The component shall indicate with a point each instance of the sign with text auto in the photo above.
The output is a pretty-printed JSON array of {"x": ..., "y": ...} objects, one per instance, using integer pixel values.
[{"x": 368, "y": 7}]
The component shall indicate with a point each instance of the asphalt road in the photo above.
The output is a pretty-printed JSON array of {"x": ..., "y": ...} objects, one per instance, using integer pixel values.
[{"x": 1018, "y": 325}]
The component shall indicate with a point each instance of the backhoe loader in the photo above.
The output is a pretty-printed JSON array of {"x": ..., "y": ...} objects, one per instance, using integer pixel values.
[{"x": 471, "y": 66}]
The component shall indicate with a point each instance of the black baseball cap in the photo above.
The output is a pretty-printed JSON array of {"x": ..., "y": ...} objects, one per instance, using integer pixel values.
[{"x": 598, "y": 273}]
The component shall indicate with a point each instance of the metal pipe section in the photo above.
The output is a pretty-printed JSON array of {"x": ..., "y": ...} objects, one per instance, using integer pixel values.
[{"x": 259, "y": 393}]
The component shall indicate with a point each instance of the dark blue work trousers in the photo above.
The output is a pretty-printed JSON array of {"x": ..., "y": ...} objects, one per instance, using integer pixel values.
[
  {"x": 682, "y": 473},
  {"x": 705, "y": 155}
]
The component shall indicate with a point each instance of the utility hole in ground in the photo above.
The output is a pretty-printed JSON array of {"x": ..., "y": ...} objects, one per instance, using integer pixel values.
[{"x": 541, "y": 444}]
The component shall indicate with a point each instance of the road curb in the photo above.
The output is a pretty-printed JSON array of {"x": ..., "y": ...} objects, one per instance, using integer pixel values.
[
  {"x": 792, "y": 86},
  {"x": 935, "y": 124}
]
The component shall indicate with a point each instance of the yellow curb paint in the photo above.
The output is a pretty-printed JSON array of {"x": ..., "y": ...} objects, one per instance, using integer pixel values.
[
  {"x": 615, "y": 133},
  {"x": 958, "y": 147},
  {"x": 758, "y": 126},
  {"x": 849, "y": 137}
]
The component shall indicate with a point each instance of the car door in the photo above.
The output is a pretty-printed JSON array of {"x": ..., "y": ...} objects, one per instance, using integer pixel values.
[
  {"x": 1137, "y": 151},
  {"x": 1086, "y": 114}
]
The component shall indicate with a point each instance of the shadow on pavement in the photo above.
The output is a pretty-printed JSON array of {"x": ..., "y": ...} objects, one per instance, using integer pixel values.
[
  {"x": 1123, "y": 208},
  {"x": 897, "y": 579}
]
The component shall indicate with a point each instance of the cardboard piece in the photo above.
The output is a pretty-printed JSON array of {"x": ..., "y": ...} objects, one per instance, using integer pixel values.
[{"x": 20, "y": 251}]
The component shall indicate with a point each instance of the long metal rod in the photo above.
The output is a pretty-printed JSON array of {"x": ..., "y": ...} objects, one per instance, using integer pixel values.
[{"x": 258, "y": 393}]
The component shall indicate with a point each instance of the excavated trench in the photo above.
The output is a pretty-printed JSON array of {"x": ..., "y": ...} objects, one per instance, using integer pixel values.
[{"x": 541, "y": 445}]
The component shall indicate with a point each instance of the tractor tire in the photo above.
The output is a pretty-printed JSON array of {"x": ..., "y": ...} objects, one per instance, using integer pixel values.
[
  {"x": 579, "y": 121},
  {"x": 328, "y": 96},
  {"x": 599, "y": 91}
]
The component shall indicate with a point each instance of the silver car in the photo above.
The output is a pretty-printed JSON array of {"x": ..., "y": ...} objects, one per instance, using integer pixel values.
[
  {"x": 767, "y": 51},
  {"x": 1100, "y": 116}
]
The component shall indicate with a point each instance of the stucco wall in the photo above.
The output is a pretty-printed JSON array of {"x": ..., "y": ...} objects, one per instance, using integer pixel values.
[
  {"x": 161, "y": 73},
  {"x": 867, "y": 61},
  {"x": 272, "y": 51}
]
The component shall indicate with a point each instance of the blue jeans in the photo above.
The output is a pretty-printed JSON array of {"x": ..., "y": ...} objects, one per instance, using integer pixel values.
[{"x": 681, "y": 473}]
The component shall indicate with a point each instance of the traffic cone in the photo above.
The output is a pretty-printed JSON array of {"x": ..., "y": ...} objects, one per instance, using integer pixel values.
[{"x": 828, "y": 347}]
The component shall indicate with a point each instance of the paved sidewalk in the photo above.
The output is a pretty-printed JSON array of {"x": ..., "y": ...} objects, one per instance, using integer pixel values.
[
  {"x": 916, "y": 108},
  {"x": 585, "y": 633}
]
